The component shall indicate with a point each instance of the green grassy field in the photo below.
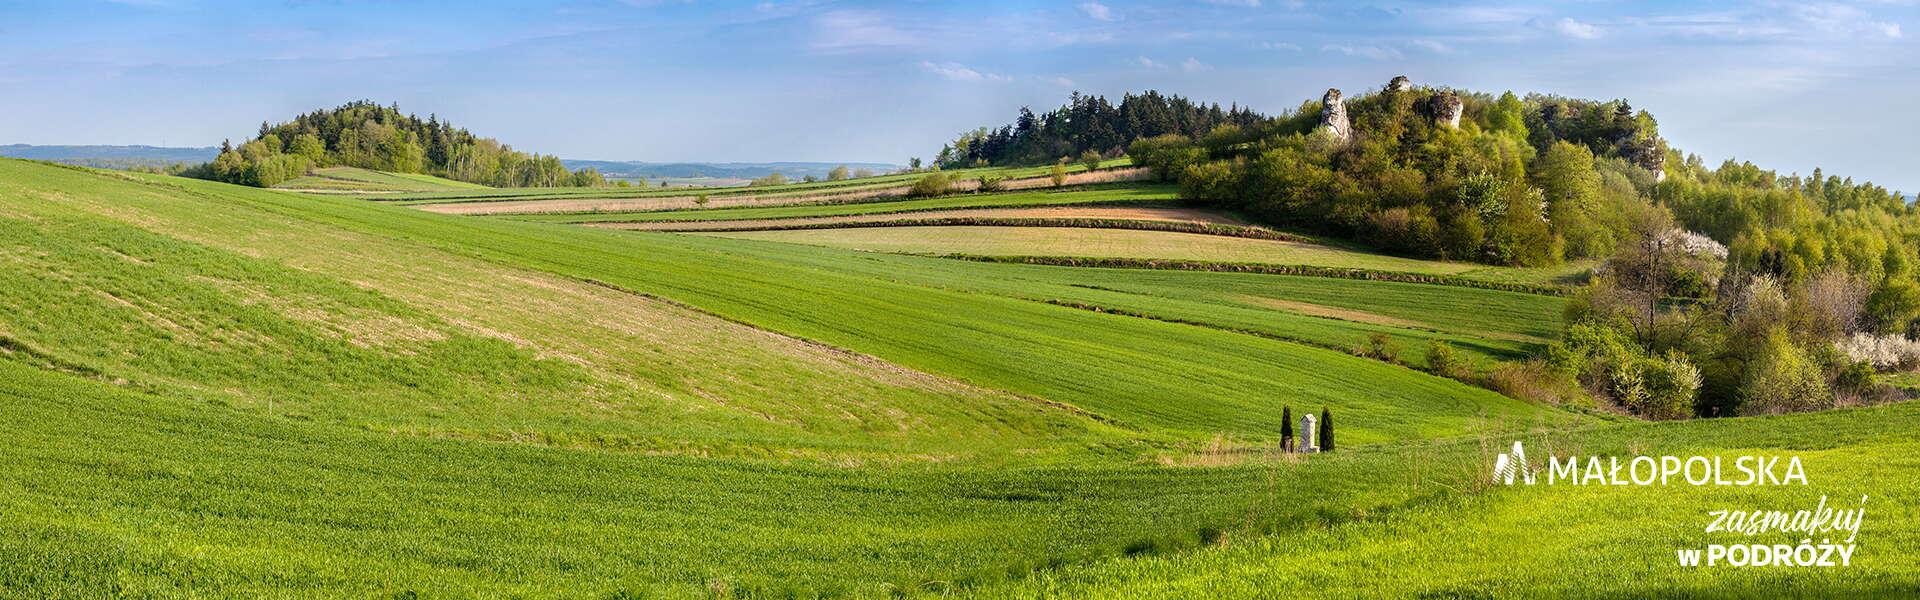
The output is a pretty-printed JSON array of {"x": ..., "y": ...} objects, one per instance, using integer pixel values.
[
  {"x": 218, "y": 391},
  {"x": 1105, "y": 194},
  {"x": 1576, "y": 541},
  {"x": 353, "y": 180},
  {"x": 796, "y": 188},
  {"x": 1114, "y": 243}
]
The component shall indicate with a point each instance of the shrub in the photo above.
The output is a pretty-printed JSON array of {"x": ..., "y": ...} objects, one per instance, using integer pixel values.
[
  {"x": 1880, "y": 351},
  {"x": 992, "y": 183},
  {"x": 1090, "y": 158},
  {"x": 1781, "y": 379},
  {"x": 1379, "y": 346},
  {"x": 934, "y": 184},
  {"x": 1606, "y": 361},
  {"x": 700, "y": 200},
  {"x": 837, "y": 174},
  {"x": 773, "y": 179},
  {"x": 1059, "y": 173},
  {"x": 1893, "y": 306},
  {"x": 1669, "y": 383},
  {"x": 1442, "y": 361}
]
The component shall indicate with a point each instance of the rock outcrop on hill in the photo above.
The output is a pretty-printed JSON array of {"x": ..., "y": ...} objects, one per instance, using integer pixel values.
[
  {"x": 1333, "y": 117},
  {"x": 1445, "y": 107}
]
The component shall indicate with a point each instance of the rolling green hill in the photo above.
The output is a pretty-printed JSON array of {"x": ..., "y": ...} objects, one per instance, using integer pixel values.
[{"x": 213, "y": 390}]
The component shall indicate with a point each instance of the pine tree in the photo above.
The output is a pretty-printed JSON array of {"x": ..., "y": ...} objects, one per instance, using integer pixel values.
[
  {"x": 1326, "y": 430},
  {"x": 1286, "y": 428}
]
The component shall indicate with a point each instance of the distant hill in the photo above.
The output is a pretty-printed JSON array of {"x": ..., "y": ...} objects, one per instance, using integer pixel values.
[
  {"x": 731, "y": 170},
  {"x": 140, "y": 156},
  {"x": 111, "y": 156}
]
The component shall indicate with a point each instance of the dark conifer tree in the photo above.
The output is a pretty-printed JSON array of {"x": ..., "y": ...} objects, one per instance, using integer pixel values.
[
  {"x": 1286, "y": 428},
  {"x": 1326, "y": 430}
]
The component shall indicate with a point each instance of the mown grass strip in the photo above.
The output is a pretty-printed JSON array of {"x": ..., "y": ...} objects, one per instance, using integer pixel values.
[
  {"x": 1240, "y": 231},
  {"x": 1144, "y": 195},
  {"x": 1268, "y": 269}
]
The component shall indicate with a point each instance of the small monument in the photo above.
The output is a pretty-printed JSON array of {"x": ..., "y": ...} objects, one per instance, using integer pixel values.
[
  {"x": 1333, "y": 117},
  {"x": 1309, "y": 435}
]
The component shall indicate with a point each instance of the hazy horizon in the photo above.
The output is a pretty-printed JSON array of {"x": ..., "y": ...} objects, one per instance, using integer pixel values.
[{"x": 1787, "y": 86}]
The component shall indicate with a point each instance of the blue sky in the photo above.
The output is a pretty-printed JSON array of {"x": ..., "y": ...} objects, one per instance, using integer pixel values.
[{"x": 1788, "y": 85}]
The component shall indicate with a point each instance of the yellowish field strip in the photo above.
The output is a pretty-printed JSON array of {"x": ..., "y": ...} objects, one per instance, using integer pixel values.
[
  {"x": 1102, "y": 243},
  {"x": 1178, "y": 215}
]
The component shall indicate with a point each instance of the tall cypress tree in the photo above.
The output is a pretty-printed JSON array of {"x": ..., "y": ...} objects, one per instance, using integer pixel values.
[
  {"x": 1326, "y": 430},
  {"x": 1286, "y": 428}
]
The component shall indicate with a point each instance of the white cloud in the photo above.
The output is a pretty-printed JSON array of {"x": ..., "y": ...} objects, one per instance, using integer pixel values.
[
  {"x": 1193, "y": 65},
  {"x": 1290, "y": 47},
  {"x": 1097, "y": 11},
  {"x": 1149, "y": 63},
  {"x": 1569, "y": 27},
  {"x": 1842, "y": 19},
  {"x": 1059, "y": 81},
  {"x": 953, "y": 71},
  {"x": 1431, "y": 46},
  {"x": 1245, "y": 3},
  {"x": 854, "y": 30},
  {"x": 1373, "y": 52}
]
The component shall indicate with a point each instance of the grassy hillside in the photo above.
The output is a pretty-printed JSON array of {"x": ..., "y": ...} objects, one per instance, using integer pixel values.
[
  {"x": 354, "y": 180},
  {"x": 1576, "y": 542},
  {"x": 212, "y": 390},
  {"x": 233, "y": 383},
  {"x": 1166, "y": 378}
]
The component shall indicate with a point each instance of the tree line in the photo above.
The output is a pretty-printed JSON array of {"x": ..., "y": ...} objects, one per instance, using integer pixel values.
[
  {"x": 1088, "y": 124},
  {"x": 366, "y": 135}
]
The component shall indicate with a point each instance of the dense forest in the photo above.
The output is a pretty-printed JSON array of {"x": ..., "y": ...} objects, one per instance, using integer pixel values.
[
  {"x": 1717, "y": 290},
  {"x": 366, "y": 135},
  {"x": 1089, "y": 123}
]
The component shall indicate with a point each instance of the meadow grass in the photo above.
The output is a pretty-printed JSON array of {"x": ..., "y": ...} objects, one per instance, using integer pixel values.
[
  {"x": 148, "y": 320},
  {"x": 1091, "y": 195},
  {"x": 1576, "y": 541},
  {"x": 1159, "y": 378},
  {"x": 358, "y": 180},
  {"x": 1484, "y": 323},
  {"x": 106, "y": 491},
  {"x": 1120, "y": 243}
]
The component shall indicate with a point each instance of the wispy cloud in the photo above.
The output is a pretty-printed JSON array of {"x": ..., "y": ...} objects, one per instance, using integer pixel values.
[
  {"x": 954, "y": 71},
  {"x": 1059, "y": 81},
  {"x": 1097, "y": 11},
  {"x": 1372, "y": 52},
  {"x": 1193, "y": 65},
  {"x": 1288, "y": 46},
  {"x": 1430, "y": 46},
  {"x": 1149, "y": 63},
  {"x": 1570, "y": 27},
  {"x": 1842, "y": 19},
  {"x": 1245, "y": 3},
  {"x": 855, "y": 30}
]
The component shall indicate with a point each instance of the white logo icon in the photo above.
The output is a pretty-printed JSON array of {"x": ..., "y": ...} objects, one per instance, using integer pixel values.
[{"x": 1512, "y": 465}]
